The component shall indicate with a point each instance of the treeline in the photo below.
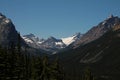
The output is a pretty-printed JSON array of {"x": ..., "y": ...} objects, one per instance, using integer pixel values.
[{"x": 16, "y": 64}]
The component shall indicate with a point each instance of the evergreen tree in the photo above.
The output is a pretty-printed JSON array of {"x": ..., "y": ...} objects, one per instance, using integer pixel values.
[
  {"x": 38, "y": 67},
  {"x": 45, "y": 69},
  {"x": 12, "y": 61},
  {"x": 56, "y": 70},
  {"x": 33, "y": 69},
  {"x": 2, "y": 64},
  {"x": 88, "y": 75},
  {"x": 27, "y": 61}
]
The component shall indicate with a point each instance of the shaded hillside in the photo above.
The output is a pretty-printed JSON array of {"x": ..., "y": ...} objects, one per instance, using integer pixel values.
[{"x": 101, "y": 55}]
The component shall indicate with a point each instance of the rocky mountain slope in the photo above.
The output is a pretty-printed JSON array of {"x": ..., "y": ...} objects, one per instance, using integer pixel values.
[
  {"x": 8, "y": 33},
  {"x": 9, "y": 37},
  {"x": 97, "y": 31}
]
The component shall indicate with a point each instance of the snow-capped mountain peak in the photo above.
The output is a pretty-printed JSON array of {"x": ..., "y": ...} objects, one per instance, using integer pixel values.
[
  {"x": 67, "y": 41},
  {"x": 32, "y": 40},
  {"x": 51, "y": 44},
  {"x": 98, "y": 30},
  {"x": 111, "y": 16}
]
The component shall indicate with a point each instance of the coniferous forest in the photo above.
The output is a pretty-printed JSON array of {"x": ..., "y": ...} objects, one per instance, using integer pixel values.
[
  {"x": 19, "y": 64},
  {"x": 16, "y": 64}
]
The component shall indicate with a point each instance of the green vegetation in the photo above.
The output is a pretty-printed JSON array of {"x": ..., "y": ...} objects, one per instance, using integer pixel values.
[{"x": 16, "y": 64}]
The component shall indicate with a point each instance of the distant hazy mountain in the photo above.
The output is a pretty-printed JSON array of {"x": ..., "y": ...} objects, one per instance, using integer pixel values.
[{"x": 51, "y": 44}]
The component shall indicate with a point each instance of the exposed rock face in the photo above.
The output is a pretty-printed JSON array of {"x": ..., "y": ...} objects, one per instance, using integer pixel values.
[
  {"x": 8, "y": 33},
  {"x": 116, "y": 27},
  {"x": 53, "y": 44},
  {"x": 98, "y": 31}
]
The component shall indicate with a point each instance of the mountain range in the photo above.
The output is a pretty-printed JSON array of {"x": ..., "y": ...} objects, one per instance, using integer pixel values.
[
  {"x": 8, "y": 35},
  {"x": 51, "y": 44},
  {"x": 98, "y": 48}
]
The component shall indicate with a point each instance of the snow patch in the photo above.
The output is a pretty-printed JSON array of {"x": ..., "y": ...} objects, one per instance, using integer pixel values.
[
  {"x": 7, "y": 20},
  {"x": 27, "y": 40},
  {"x": 58, "y": 43},
  {"x": 69, "y": 40},
  {"x": 104, "y": 23},
  {"x": 40, "y": 42}
]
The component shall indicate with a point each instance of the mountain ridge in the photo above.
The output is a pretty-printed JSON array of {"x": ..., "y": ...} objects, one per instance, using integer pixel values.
[
  {"x": 51, "y": 44},
  {"x": 97, "y": 31}
]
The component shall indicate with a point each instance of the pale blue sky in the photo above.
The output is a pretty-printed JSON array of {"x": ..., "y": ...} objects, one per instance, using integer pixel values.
[{"x": 58, "y": 18}]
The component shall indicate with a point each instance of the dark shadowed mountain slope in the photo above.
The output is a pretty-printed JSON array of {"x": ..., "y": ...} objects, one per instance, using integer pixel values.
[
  {"x": 101, "y": 55},
  {"x": 8, "y": 33}
]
